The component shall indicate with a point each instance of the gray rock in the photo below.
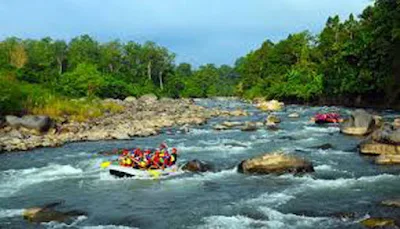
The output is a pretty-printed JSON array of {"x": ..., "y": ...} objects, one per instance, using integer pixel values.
[
  {"x": 41, "y": 123},
  {"x": 360, "y": 123},
  {"x": 197, "y": 166}
]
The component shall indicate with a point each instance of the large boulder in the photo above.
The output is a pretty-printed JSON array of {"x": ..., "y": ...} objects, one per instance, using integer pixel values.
[
  {"x": 386, "y": 134},
  {"x": 272, "y": 105},
  {"x": 197, "y": 166},
  {"x": 276, "y": 163},
  {"x": 360, "y": 123},
  {"x": 377, "y": 148},
  {"x": 40, "y": 123},
  {"x": 388, "y": 159},
  {"x": 148, "y": 98},
  {"x": 385, "y": 140}
]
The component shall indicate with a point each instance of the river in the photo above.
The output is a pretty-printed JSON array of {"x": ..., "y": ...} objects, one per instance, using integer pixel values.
[{"x": 343, "y": 181}]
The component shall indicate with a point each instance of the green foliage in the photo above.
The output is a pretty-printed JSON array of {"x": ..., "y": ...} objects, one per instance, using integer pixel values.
[
  {"x": 85, "y": 80},
  {"x": 356, "y": 57},
  {"x": 11, "y": 97},
  {"x": 350, "y": 58}
]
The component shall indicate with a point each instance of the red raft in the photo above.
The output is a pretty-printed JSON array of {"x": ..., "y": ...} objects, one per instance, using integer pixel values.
[{"x": 327, "y": 118}]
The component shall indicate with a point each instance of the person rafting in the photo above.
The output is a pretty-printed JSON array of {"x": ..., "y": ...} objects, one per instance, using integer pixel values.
[{"x": 174, "y": 157}]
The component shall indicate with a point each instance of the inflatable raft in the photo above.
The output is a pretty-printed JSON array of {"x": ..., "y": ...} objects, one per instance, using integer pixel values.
[
  {"x": 327, "y": 118},
  {"x": 121, "y": 171}
]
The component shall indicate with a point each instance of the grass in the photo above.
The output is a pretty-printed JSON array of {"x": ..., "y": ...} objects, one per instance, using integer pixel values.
[
  {"x": 19, "y": 98},
  {"x": 76, "y": 110}
]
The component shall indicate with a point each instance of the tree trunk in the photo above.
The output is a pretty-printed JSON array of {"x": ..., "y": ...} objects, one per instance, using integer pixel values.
[
  {"x": 149, "y": 70},
  {"x": 161, "y": 80},
  {"x": 60, "y": 66}
]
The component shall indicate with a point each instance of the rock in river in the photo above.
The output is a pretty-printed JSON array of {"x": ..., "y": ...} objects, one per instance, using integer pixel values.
[
  {"x": 385, "y": 140},
  {"x": 197, "y": 166},
  {"x": 272, "y": 119},
  {"x": 360, "y": 123},
  {"x": 277, "y": 163},
  {"x": 249, "y": 126},
  {"x": 378, "y": 222},
  {"x": 388, "y": 159},
  {"x": 391, "y": 203},
  {"x": 47, "y": 213}
]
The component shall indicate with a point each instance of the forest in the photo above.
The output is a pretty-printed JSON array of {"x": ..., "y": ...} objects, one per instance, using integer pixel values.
[{"x": 350, "y": 62}]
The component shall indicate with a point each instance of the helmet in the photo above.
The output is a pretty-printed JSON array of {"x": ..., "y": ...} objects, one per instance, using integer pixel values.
[
  {"x": 163, "y": 145},
  {"x": 174, "y": 150}
]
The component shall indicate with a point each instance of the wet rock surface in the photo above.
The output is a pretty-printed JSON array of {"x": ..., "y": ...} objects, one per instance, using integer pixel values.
[{"x": 276, "y": 163}]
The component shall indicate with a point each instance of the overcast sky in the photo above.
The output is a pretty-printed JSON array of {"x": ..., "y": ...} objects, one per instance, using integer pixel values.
[{"x": 198, "y": 31}]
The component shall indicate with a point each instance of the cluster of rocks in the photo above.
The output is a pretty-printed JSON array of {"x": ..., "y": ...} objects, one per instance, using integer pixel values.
[
  {"x": 271, "y": 122},
  {"x": 383, "y": 138},
  {"x": 272, "y": 105},
  {"x": 141, "y": 117}
]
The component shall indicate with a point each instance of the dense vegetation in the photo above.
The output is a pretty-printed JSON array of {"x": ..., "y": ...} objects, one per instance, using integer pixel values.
[
  {"x": 35, "y": 74},
  {"x": 351, "y": 62},
  {"x": 355, "y": 59}
]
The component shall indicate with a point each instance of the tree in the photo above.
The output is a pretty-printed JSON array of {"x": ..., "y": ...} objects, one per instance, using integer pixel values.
[
  {"x": 82, "y": 49},
  {"x": 85, "y": 80}
]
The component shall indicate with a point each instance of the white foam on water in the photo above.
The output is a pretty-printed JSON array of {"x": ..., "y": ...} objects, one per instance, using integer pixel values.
[
  {"x": 227, "y": 142},
  {"x": 227, "y": 149},
  {"x": 324, "y": 168},
  {"x": 108, "y": 227},
  {"x": 308, "y": 183},
  {"x": 278, "y": 219},
  {"x": 9, "y": 213},
  {"x": 231, "y": 222},
  {"x": 330, "y": 152},
  {"x": 58, "y": 225},
  {"x": 271, "y": 199},
  {"x": 200, "y": 131},
  {"x": 207, "y": 176},
  {"x": 330, "y": 129},
  {"x": 12, "y": 181},
  {"x": 310, "y": 139}
]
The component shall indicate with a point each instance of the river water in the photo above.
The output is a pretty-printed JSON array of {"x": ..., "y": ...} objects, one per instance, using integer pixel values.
[{"x": 344, "y": 181}]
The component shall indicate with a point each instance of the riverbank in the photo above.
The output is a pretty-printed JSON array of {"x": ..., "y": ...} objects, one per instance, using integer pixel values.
[{"x": 141, "y": 117}]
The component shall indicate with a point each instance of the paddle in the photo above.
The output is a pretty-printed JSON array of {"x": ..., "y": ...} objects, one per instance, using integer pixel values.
[{"x": 105, "y": 164}]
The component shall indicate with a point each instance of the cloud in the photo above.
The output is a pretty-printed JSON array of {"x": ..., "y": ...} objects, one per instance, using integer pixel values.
[{"x": 198, "y": 31}]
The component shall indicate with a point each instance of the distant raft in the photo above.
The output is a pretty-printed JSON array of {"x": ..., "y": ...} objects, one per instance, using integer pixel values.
[{"x": 327, "y": 118}]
